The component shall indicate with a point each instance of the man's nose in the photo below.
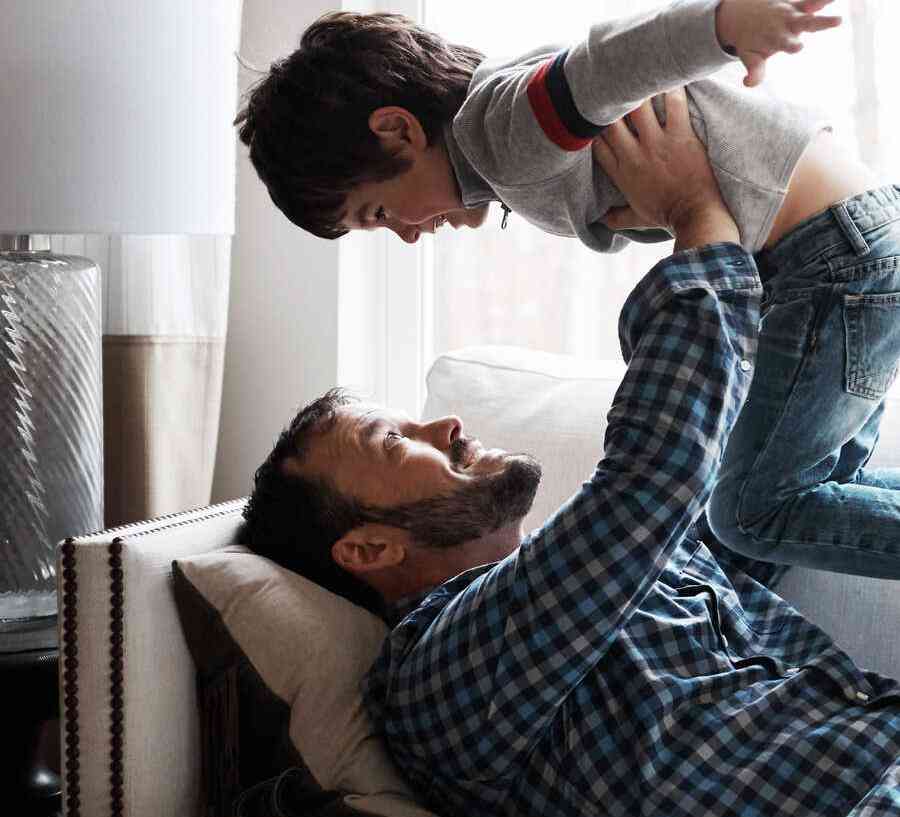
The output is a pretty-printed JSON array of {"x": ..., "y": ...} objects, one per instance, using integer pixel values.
[{"x": 443, "y": 431}]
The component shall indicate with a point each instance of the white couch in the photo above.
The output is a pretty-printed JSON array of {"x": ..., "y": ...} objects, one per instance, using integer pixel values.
[{"x": 130, "y": 730}]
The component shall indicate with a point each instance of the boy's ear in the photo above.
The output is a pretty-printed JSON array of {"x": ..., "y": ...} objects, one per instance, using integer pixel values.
[
  {"x": 397, "y": 128},
  {"x": 370, "y": 547}
]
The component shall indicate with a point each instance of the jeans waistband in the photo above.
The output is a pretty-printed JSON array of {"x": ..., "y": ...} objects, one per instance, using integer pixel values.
[{"x": 839, "y": 230}]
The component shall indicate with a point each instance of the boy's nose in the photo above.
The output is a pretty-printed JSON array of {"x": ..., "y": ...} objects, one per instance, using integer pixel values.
[{"x": 408, "y": 232}]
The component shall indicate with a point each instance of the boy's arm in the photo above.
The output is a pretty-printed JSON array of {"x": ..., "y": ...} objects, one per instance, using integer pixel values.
[
  {"x": 624, "y": 61},
  {"x": 527, "y": 122}
]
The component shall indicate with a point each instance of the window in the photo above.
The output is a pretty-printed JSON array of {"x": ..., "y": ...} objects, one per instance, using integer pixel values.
[{"x": 522, "y": 287}]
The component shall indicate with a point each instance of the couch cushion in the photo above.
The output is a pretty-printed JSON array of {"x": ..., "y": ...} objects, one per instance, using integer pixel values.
[{"x": 294, "y": 651}]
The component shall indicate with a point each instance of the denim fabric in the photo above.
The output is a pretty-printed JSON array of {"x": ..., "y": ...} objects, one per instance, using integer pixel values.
[{"x": 794, "y": 487}]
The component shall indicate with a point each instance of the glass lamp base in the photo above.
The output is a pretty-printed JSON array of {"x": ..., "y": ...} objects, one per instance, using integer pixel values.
[{"x": 51, "y": 427}]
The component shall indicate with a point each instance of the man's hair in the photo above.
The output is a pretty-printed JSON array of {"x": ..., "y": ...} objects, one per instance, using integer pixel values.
[
  {"x": 306, "y": 121},
  {"x": 294, "y": 520}
]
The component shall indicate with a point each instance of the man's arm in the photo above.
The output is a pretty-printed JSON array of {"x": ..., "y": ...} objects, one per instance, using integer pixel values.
[{"x": 486, "y": 679}]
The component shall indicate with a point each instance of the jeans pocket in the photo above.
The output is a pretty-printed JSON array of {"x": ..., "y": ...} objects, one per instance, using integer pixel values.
[{"x": 872, "y": 335}]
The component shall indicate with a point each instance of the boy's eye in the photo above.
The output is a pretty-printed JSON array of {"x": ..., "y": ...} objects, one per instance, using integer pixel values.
[{"x": 379, "y": 214}]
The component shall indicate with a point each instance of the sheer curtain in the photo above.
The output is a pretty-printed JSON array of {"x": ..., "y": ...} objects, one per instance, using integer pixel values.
[
  {"x": 165, "y": 308},
  {"x": 519, "y": 286}
]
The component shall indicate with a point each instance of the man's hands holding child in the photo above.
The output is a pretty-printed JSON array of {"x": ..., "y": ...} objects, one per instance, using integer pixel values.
[
  {"x": 665, "y": 175},
  {"x": 757, "y": 29}
]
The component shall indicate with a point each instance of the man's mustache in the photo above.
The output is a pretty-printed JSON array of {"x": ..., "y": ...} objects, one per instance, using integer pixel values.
[{"x": 461, "y": 451}]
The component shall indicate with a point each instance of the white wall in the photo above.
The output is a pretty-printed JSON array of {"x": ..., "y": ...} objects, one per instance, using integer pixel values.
[{"x": 283, "y": 313}]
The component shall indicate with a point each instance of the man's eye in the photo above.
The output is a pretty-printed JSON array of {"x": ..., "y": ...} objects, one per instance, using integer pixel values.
[{"x": 379, "y": 214}]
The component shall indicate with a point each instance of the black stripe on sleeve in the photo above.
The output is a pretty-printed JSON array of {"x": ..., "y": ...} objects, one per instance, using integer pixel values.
[{"x": 561, "y": 96}]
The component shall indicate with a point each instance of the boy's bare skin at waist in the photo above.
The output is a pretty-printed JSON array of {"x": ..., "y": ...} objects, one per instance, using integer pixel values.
[{"x": 825, "y": 174}]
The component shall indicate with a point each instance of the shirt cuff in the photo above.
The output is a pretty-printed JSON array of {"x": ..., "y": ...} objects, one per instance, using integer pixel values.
[{"x": 723, "y": 265}]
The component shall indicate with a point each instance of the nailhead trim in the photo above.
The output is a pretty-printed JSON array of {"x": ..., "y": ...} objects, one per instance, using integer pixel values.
[
  {"x": 220, "y": 509},
  {"x": 70, "y": 676},
  {"x": 116, "y": 666}
]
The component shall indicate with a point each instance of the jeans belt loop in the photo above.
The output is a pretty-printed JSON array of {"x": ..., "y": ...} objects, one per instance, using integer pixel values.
[{"x": 849, "y": 229}]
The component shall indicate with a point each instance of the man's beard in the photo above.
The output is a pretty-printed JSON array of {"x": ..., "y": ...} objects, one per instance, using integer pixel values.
[{"x": 488, "y": 503}]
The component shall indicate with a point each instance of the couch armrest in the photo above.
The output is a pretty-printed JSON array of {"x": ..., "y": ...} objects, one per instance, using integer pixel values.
[{"x": 130, "y": 731}]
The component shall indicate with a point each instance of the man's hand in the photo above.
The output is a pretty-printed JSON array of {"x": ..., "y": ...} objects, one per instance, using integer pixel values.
[
  {"x": 665, "y": 175},
  {"x": 757, "y": 29}
]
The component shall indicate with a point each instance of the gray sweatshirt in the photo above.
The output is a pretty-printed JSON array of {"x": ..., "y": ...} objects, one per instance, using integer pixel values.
[{"x": 523, "y": 132}]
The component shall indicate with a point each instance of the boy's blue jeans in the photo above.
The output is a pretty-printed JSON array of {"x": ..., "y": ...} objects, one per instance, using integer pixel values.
[{"x": 794, "y": 487}]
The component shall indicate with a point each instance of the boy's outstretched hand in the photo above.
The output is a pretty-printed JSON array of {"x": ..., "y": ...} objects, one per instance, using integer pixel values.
[
  {"x": 665, "y": 175},
  {"x": 757, "y": 29}
]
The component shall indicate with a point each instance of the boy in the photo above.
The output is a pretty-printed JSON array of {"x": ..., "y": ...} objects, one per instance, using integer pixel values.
[{"x": 374, "y": 121}]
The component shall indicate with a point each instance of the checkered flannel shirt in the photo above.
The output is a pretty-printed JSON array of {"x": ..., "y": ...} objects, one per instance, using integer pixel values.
[{"x": 612, "y": 664}]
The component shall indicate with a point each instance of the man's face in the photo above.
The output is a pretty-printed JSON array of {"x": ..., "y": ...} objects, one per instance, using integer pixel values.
[
  {"x": 420, "y": 200},
  {"x": 429, "y": 478}
]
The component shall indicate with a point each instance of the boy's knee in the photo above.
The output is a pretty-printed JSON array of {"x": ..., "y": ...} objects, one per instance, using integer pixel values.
[{"x": 723, "y": 515}]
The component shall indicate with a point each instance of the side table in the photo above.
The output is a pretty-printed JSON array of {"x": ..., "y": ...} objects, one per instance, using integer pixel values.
[{"x": 29, "y": 678}]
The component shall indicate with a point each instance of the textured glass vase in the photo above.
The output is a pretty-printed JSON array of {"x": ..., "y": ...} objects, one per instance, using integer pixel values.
[{"x": 51, "y": 455}]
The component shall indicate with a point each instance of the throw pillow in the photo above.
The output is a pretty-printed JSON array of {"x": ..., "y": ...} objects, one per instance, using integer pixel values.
[{"x": 276, "y": 653}]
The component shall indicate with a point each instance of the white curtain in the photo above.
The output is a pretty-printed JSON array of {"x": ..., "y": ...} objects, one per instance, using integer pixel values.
[
  {"x": 165, "y": 307},
  {"x": 522, "y": 287}
]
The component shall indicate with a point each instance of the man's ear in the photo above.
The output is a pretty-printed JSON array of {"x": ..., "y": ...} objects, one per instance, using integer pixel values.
[
  {"x": 369, "y": 548},
  {"x": 397, "y": 128}
]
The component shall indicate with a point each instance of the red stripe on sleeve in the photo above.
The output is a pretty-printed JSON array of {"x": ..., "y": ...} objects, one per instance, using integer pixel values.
[{"x": 546, "y": 115}]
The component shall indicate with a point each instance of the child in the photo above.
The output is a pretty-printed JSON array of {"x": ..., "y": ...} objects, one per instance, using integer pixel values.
[{"x": 374, "y": 121}]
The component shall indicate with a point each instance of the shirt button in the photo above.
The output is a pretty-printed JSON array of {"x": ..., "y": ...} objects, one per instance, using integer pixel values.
[
  {"x": 862, "y": 696},
  {"x": 746, "y": 366}
]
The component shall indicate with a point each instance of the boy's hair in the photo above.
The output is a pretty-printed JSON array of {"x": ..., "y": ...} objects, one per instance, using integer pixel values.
[{"x": 307, "y": 121}]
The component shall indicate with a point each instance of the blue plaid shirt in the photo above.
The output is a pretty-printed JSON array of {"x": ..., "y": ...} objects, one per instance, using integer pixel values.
[{"x": 613, "y": 664}]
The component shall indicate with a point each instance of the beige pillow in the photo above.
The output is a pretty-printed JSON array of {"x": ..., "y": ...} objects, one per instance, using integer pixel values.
[{"x": 311, "y": 648}]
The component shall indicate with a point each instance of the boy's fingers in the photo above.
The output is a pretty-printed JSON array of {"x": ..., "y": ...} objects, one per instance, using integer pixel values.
[
  {"x": 809, "y": 6},
  {"x": 811, "y": 22},
  {"x": 756, "y": 70}
]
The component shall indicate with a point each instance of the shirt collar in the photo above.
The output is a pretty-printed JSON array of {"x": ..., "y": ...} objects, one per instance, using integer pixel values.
[
  {"x": 473, "y": 189},
  {"x": 400, "y": 609}
]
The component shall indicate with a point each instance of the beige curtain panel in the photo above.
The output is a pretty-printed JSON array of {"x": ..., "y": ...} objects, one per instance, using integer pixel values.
[{"x": 165, "y": 305}]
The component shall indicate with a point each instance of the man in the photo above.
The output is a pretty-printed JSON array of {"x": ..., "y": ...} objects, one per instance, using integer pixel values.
[{"x": 606, "y": 663}]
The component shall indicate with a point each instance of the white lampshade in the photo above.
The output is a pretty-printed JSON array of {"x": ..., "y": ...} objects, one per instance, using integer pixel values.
[{"x": 115, "y": 116}]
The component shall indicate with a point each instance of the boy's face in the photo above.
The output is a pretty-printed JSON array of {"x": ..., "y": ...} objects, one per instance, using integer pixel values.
[{"x": 421, "y": 199}]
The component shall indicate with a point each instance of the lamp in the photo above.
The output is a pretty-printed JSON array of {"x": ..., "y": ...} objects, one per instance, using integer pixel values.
[{"x": 116, "y": 118}]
